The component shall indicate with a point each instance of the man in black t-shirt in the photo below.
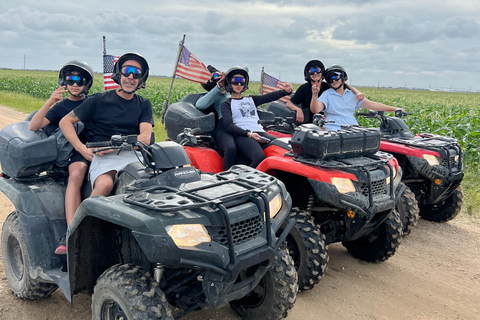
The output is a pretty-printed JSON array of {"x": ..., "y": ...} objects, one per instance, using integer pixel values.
[{"x": 115, "y": 112}]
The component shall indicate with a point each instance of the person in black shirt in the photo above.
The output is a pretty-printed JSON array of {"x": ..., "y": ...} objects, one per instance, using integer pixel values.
[
  {"x": 115, "y": 112},
  {"x": 76, "y": 78}
]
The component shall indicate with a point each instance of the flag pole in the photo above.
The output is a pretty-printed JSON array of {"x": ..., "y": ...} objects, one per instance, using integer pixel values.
[
  {"x": 180, "y": 47},
  {"x": 104, "y": 46},
  {"x": 261, "y": 81}
]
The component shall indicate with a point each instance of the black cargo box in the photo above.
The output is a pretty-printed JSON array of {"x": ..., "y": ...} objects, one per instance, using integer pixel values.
[
  {"x": 280, "y": 110},
  {"x": 310, "y": 141},
  {"x": 181, "y": 115},
  {"x": 24, "y": 152}
]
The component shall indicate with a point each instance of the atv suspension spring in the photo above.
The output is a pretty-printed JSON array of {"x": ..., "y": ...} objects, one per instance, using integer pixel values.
[{"x": 310, "y": 202}]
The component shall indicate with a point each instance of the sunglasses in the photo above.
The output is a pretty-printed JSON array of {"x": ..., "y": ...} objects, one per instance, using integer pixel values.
[
  {"x": 216, "y": 76},
  {"x": 335, "y": 77},
  {"x": 240, "y": 81},
  {"x": 127, "y": 70},
  {"x": 315, "y": 70},
  {"x": 71, "y": 80}
]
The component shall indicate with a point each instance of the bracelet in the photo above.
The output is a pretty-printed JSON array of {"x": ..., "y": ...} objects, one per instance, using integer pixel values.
[{"x": 249, "y": 134}]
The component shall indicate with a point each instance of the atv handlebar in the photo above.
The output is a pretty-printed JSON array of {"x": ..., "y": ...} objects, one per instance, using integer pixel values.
[
  {"x": 381, "y": 114},
  {"x": 116, "y": 142},
  {"x": 319, "y": 120}
]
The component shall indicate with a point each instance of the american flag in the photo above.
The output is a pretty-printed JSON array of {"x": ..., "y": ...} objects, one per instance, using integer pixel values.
[
  {"x": 190, "y": 68},
  {"x": 108, "y": 63},
  {"x": 271, "y": 84}
]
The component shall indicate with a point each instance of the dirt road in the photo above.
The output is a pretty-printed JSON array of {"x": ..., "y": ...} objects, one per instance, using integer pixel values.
[{"x": 435, "y": 274}]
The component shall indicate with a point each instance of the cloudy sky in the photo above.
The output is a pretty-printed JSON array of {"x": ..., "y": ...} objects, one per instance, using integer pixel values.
[{"x": 413, "y": 43}]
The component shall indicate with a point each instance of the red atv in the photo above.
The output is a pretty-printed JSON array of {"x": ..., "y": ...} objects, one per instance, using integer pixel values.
[
  {"x": 350, "y": 199},
  {"x": 432, "y": 165}
]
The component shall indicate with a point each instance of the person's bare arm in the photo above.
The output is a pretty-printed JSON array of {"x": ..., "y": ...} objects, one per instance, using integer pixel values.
[
  {"x": 360, "y": 96},
  {"x": 145, "y": 132},
  {"x": 39, "y": 121},
  {"x": 377, "y": 106},
  {"x": 66, "y": 125},
  {"x": 290, "y": 105},
  {"x": 315, "y": 105}
]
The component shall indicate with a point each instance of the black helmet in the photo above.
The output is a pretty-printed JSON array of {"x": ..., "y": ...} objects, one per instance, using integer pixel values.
[
  {"x": 78, "y": 66},
  {"x": 233, "y": 71},
  {"x": 337, "y": 69},
  {"x": 212, "y": 82},
  {"x": 311, "y": 64},
  {"x": 131, "y": 56}
]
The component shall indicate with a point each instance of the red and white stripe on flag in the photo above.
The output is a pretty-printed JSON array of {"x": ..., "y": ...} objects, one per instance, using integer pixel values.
[
  {"x": 271, "y": 84},
  {"x": 190, "y": 68},
  {"x": 108, "y": 64}
]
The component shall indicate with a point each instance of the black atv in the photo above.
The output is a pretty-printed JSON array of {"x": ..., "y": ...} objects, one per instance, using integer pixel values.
[
  {"x": 432, "y": 165},
  {"x": 349, "y": 199},
  {"x": 169, "y": 241}
]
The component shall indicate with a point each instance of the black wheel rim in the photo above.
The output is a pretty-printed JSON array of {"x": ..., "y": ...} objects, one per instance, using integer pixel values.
[
  {"x": 255, "y": 297},
  {"x": 293, "y": 251},
  {"x": 111, "y": 310},
  {"x": 16, "y": 258}
]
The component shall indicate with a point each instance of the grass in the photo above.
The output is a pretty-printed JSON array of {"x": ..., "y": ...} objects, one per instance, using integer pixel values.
[{"x": 451, "y": 114}]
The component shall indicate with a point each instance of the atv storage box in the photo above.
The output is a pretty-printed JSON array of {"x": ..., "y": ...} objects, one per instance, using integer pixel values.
[
  {"x": 183, "y": 115},
  {"x": 280, "y": 110},
  {"x": 24, "y": 152},
  {"x": 310, "y": 141}
]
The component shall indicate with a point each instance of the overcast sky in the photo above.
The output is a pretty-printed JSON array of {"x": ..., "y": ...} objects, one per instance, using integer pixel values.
[{"x": 413, "y": 43}]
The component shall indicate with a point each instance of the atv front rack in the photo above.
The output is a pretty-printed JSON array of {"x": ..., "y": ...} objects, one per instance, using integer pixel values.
[{"x": 246, "y": 183}]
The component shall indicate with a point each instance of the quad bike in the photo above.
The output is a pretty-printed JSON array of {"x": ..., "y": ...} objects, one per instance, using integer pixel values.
[
  {"x": 168, "y": 241},
  {"x": 351, "y": 200},
  {"x": 432, "y": 165},
  {"x": 280, "y": 125}
]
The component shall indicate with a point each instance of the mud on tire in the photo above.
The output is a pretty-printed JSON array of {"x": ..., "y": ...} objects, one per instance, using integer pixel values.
[
  {"x": 17, "y": 263},
  {"x": 445, "y": 211},
  {"x": 274, "y": 296},
  {"x": 381, "y": 244},
  {"x": 306, "y": 245},
  {"x": 407, "y": 207},
  {"x": 128, "y": 292}
]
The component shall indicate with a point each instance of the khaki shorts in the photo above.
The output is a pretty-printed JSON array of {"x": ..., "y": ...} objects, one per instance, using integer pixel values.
[{"x": 113, "y": 161}]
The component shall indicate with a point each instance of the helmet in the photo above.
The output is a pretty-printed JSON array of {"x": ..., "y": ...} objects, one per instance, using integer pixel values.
[
  {"x": 79, "y": 66},
  {"x": 212, "y": 82},
  {"x": 131, "y": 56},
  {"x": 233, "y": 71},
  {"x": 310, "y": 64},
  {"x": 336, "y": 68}
]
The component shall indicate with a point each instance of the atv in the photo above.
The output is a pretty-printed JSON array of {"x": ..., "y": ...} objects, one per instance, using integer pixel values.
[
  {"x": 350, "y": 199},
  {"x": 168, "y": 241},
  {"x": 432, "y": 165},
  {"x": 282, "y": 126}
]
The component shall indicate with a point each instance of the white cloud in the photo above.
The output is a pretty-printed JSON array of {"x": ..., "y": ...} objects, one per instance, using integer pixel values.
[{"x": 420, "y": 42}]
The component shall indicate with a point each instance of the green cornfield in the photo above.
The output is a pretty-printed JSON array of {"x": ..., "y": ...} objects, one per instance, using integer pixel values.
[{"x": 446, "y": 113}]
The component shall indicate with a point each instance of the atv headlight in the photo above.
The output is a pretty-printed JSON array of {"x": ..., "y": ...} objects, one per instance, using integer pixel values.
[
  {"x": 275, "y": 205},
  {"x": 343, "y": 185},
  {"x": 432, "y": 160},
  {"x": 188, "y": 235}
]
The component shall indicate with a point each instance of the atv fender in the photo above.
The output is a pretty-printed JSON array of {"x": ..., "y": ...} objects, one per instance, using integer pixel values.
[{"x": 40, "y": 209}]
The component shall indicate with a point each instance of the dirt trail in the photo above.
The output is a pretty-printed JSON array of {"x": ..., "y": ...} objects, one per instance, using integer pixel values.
[{"x": 435, "y": 274}]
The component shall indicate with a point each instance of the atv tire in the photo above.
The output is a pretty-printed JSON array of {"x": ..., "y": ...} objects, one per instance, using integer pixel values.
[
  {"x": 381, "y": 244},
  {"x": 274, "y": 296},
  {"x": 128, "y": 292},
  {"x": 407, "y": 207},
  {"x": 446, "y": 210},
  {"x": 16, "y": 262},
  {"x": 306, "y": 246}
]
